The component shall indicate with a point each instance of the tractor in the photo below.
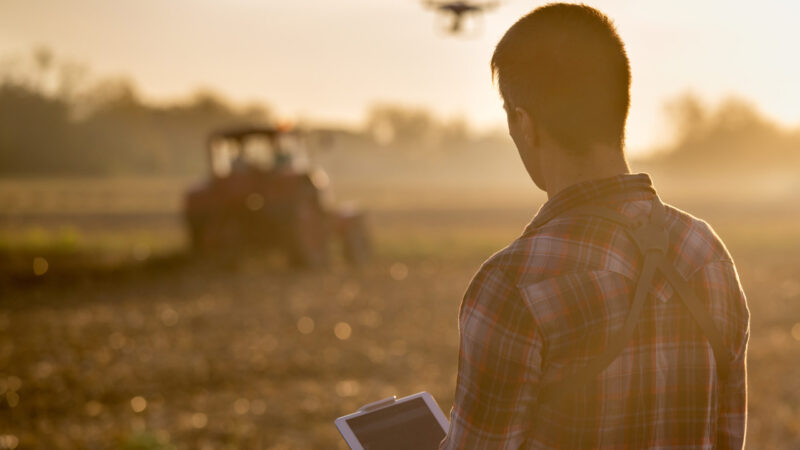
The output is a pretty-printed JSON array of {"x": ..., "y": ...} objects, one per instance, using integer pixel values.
[{"x": 262, "y": 194}]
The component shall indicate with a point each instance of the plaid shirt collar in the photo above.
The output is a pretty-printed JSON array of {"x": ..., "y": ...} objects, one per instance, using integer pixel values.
[{"x": 605, "y": 190}]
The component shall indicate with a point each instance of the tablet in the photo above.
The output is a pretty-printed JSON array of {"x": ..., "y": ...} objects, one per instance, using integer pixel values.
[{"x": 410, "y": 422}]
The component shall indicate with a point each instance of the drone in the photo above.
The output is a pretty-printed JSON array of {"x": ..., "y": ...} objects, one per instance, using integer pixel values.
[{"x": 459, "y": 11}]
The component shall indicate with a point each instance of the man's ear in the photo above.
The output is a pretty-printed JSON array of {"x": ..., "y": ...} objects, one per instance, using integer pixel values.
[{"x": 528, "y": 127}]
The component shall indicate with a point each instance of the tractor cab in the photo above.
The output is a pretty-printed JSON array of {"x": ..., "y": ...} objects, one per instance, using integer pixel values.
[{"x": 257, "y": 149}]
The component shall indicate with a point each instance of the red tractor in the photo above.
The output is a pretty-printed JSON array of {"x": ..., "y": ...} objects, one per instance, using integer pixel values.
[{"x": 262, "y": 195}]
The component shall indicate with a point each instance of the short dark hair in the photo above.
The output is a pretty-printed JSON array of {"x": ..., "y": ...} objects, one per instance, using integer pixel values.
[{"x": 566, "y": 65}]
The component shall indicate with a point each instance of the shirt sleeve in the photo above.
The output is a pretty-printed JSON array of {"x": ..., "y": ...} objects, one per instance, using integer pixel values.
[
  {"x": 720, "y": 281},
  {"x": 732, "y": 420},
  {"x": 498, "y": 368}
]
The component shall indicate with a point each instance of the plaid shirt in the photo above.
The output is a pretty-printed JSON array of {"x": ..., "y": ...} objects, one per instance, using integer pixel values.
[{"x": 547, "y": 304}]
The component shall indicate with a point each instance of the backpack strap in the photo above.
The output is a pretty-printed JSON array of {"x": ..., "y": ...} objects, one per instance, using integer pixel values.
[
  {"x": 652, "y": 240},
  {"x": 722, "y": 355}
]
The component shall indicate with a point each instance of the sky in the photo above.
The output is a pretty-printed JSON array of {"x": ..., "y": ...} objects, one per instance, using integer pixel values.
[{"x": 328, "y": 61}]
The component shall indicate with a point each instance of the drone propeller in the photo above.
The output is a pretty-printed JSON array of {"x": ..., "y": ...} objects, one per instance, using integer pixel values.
[{"x": 461, "y": 6}]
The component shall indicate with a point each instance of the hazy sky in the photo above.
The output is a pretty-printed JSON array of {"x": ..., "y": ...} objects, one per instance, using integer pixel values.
[{"x": 328, "y": 60}]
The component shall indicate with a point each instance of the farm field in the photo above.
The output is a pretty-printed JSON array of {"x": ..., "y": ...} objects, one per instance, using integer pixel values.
[{"x": 126, "y": 342}]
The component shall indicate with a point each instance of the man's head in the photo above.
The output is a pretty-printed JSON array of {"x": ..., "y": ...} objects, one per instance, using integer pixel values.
[{"x": 564, "y": 67}]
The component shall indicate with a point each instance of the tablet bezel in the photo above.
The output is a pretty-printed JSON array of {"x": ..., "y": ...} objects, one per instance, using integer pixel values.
[{"x": 430, "y": 402}]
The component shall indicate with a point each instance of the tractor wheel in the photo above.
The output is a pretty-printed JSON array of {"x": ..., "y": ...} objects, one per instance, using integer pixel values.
[
  {"x": 308, "y": 237},
  {"x": 196, "y": 230},
  {"x": 355, "y": 241}
]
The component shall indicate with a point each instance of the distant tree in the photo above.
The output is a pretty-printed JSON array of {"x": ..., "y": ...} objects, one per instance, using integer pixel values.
[
  {"x": 33, "y": 128},
  {"x": 734, "y": 134},
  {"x": 73, "y": 80},
  {"x": 393, "y": 124},
  {"x": 414, "y": 128},
  {"x": 687, "y": 116}
]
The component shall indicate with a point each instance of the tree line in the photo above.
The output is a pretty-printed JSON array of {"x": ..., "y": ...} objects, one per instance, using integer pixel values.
[
  {"x": 731, "y": 136},
  {"x": 55, "y": 119}
]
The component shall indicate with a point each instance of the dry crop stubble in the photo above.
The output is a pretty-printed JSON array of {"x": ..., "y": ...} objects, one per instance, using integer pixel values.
[{"x": 108, "y": 361}]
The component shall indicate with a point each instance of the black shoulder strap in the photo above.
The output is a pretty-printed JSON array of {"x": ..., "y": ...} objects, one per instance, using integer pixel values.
[{"x": 652, "y": 240}]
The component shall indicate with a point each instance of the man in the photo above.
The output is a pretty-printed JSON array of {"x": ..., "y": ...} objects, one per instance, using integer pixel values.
[{"x": 613, "y": 321}]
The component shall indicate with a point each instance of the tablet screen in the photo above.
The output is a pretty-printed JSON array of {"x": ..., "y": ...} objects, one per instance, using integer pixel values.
[{"x": 401, "y": 426}]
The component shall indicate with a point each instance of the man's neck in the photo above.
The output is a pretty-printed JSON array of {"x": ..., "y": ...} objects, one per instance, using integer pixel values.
[{"x": 565, "y": 170}]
